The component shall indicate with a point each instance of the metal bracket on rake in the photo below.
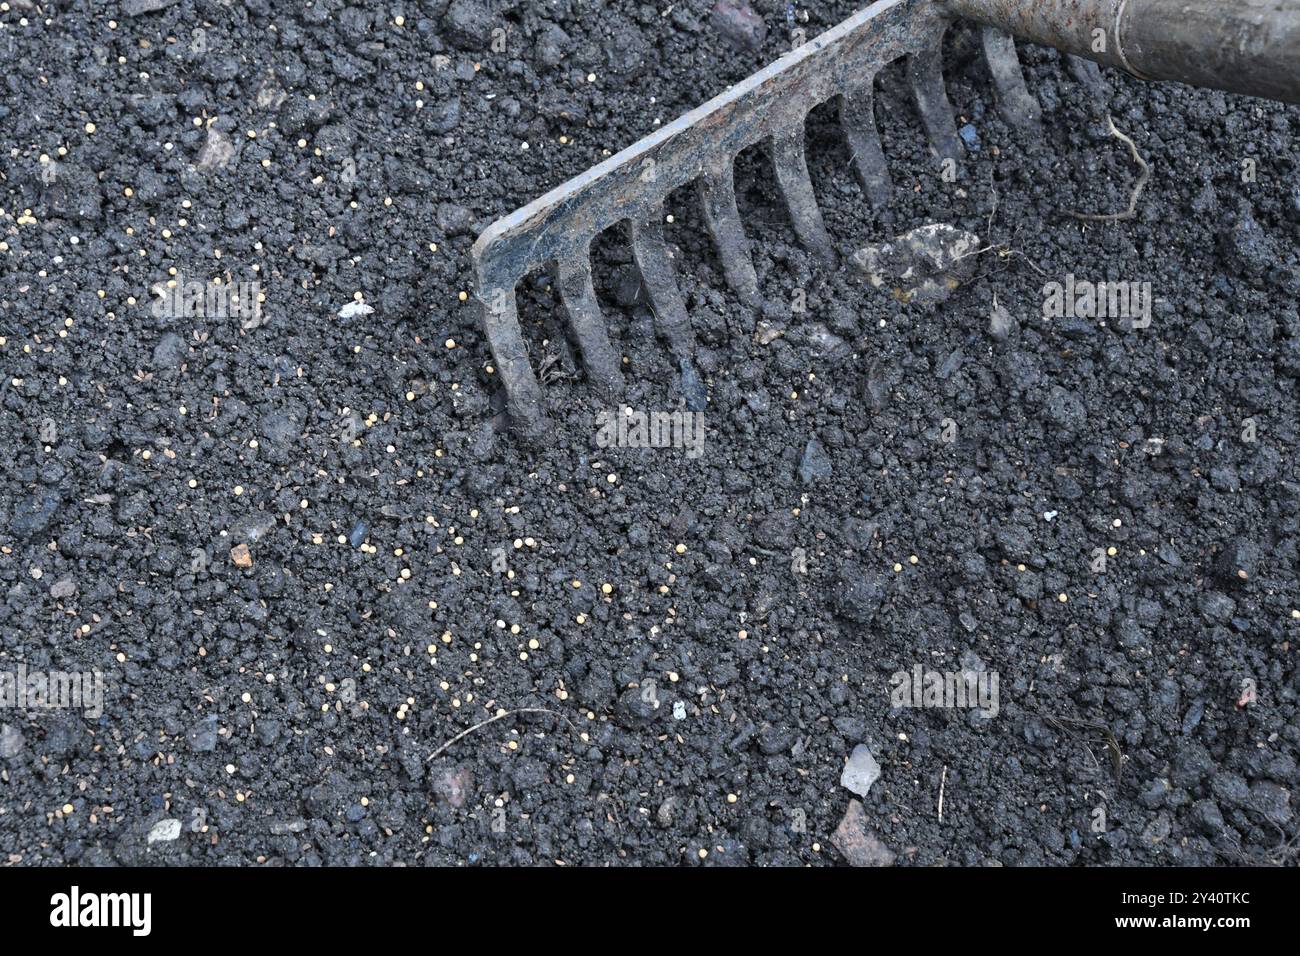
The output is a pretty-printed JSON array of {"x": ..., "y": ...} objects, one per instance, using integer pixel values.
[{"x": 1229, "y": 44}]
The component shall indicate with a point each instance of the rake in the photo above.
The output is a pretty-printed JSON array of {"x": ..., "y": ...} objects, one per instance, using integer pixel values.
[{"x": 1242, "y": 46}]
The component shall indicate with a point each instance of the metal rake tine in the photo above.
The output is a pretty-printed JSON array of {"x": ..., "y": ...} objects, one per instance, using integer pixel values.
[
  {"x": 791, "y": 167},
  {"x": 578, "y": 295},
  {"x": 509, "y": 354},
  {"x": 718, "y": 196},
  {"x": 925, "y": 71},
  {"x": 1016, "y": 104},
  {"x": 858, "y": 118},
  {"x": 655, "y": 262}
]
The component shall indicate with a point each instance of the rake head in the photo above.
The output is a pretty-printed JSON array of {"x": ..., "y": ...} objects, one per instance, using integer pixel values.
[{"x": 1249, "y": 46}]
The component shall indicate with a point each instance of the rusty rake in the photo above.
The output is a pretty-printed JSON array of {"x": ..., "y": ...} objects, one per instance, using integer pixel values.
[{"x": 1243, "y": 46}]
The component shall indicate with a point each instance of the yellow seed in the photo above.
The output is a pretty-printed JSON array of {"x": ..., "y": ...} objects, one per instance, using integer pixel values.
[{"x": 68, "y": 808}]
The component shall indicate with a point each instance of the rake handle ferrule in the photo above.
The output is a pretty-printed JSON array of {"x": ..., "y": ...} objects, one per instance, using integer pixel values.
[{"x": 1241, "y": 46}]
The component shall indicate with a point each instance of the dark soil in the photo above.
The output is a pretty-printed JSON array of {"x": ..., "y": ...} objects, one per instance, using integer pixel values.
[{"x": 285, "y": 712}]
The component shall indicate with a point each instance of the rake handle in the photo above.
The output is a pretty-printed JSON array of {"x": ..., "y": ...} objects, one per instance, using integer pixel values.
[{"x": 1241, "y": 46}]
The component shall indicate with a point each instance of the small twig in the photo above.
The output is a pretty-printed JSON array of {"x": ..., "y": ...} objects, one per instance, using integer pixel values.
[
  {"x": 1137, "y": 187},
  {"x": 943, "y": 782},
  {"x": 483, "y": 723}
]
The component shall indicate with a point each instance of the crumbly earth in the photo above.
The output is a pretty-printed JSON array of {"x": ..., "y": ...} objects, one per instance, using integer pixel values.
[{"x": 306, "y": 553}]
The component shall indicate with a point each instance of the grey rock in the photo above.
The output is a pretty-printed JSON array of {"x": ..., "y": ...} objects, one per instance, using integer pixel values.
[
  {"x": 203, "y": 736},
  {"x": 860, "y": 771},
  {"x": 467, "y": 24},
  {"x": 446, "y": 116},
  {"x": 923, "y": 266},
  {"x": 860, "y": 594},
  {"x": 11, "y": 742},
  {"x": 164, "y": 831},
  {"x": 816, "y": 463},
  {"x": 454, "y": 220},
  {"x": 738, "y": 24},
  {"x": 1207, "y": 818},
  {"x": 33, "y": 514},
  {"x": 1272, "y": 802},
  {"x": 451, "y": 784},
  {"x": 218, "y": 151},
  {"x": 135, "y": 8},
  {"x": 634, "y": 709},
  {"x": 63, "y": 588}
]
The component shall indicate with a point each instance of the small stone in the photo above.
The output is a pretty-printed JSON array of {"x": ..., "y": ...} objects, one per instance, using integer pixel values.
[
  {"x": 241, "y": 556},
  {"x": 467, "y": 24},
  {"x": 739, "y": 24},
  {"x": 360, "y": 531},
  {"x": 1207, "y": 817},
  {"x": 446, "y": 117},
  {"x": 217, "y": 152},
  {"x": 454, "y": 220},
  {"x": 355, "y": 308},
  {"x": 1065, "y": 409},
  {"x": 134, "y": 8},
  {"x": 164, "y": 831},
  {"x": 11, "y": 742},
  {"x": 923, "y": 266},
  {"x": 858, "y": 845},
  {"x": 635, "y": 708},
  {"x": 203, "y": 735},
  {"x": 816, "y": 463},
  {"x": 775, "y": 740},
  {"x": 63, "y": 588},
  {"x": 860, "y": 593},
  {"x": 453, "y": 785},
  {"x": 1002, "y": 324},
  {"x": 32, "y": 515},
  {"x": 861, "y": 771}
]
